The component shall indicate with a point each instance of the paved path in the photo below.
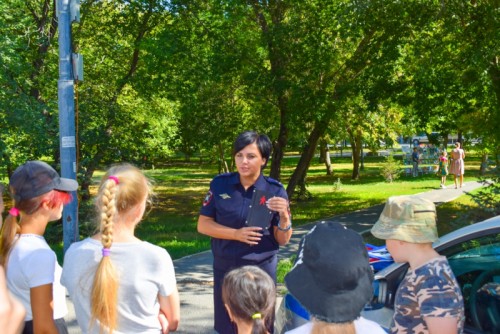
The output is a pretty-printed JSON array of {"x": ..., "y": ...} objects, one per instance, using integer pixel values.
[{"x": 194, "y": 273}]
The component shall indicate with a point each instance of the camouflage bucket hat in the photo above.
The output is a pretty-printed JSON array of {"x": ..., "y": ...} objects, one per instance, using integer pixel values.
[{"x": 407, "y": 218}]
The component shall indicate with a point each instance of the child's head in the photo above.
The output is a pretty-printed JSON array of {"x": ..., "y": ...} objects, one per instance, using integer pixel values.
[
  {"x": 122, "y": 188},
  {"x": 443, "y": 153},
  {"x": 36, "y": 182},
  {"x": 249, "y": 294},
  {"x": 332, "y": 278},
  {"x": 407, "y": 218}
]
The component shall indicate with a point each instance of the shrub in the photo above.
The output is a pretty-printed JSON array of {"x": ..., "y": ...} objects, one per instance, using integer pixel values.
[
  {"x": 391, "y": 169},
  {"x": 488, "y": 198}
]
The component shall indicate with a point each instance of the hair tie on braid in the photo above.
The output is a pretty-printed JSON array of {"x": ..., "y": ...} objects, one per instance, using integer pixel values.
[
  {"x": 14, "y": 212},
  {"x": 105, "y": 251},
  {"x": 256, "y": 315},
  {"x": 114, "y": 178}
]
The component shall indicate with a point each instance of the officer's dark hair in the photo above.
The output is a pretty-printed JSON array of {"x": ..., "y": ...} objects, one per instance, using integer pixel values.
[{"x": 249, "y": 137}]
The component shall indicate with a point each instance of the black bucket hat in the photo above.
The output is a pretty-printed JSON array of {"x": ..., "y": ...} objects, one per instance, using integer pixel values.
[
  {"x": 36, "y": 178},
  {"x": 331, "y": 278}
]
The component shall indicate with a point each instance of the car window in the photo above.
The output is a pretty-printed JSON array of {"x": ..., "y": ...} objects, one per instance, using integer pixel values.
[{"x": 476, "y": 264}]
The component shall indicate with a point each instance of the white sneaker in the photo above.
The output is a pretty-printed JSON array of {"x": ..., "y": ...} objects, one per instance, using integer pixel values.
[{"x": 443, "y": 186}]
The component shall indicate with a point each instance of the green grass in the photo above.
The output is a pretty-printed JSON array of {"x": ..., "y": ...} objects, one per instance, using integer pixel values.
[{"x": 181, "y": 187}]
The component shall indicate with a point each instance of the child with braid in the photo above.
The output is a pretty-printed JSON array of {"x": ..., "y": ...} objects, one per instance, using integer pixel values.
[
  {"x": 249, "y": 295},
  {"x": 32, "y": 270},
  {"x": 118, "y": 283}
]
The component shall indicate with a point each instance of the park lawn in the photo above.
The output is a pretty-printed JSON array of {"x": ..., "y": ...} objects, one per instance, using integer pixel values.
[{"x": 181, "y": 187}]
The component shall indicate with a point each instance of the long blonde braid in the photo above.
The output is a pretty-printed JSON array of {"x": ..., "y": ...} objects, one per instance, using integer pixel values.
[{"x": 104, "y": 297}]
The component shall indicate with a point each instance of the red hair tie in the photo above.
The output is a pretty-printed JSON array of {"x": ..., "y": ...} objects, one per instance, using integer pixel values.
[
  {"x": 114, "y": 178},
  {"x": 14, "y": 212}
]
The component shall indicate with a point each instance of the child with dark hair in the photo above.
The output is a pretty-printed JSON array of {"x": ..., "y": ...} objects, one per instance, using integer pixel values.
[
  {"x": 118, "y": 283},
  {"x": 31, "y": 266},
  {"x": 249, "y": 295},
  {"x": 224, "y": 216}
]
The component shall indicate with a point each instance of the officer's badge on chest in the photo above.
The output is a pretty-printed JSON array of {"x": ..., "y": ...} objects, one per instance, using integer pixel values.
[{"x": 224, "y": 196}]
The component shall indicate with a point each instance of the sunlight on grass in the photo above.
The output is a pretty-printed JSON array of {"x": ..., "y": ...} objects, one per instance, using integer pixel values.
[
  {"x": 284, "y": 266},
  {"x": 180, "y": 189}
]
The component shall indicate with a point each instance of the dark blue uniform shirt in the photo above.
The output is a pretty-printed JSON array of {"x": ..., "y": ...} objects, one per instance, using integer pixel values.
[{"x": 228, "y": 203}]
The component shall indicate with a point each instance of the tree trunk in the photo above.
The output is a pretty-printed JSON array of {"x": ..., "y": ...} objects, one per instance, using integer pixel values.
[
  {"x": 362, "y": 155},
  {"x": 324, "y": 156},
  {"x": 323, "y": 147},
  {"x": 445, "y": 141},
  {"x": 279, "y": 148},
  {"x": 278, "y": 61},
  {"x": 494, "y": 73},
  {"x": 460, "y": 138},
  {"x": 356, "y": 153},
  {"x": 88, "y": 172},
  {"x": 299, "y": 174},
  {"x": 223, "y": 168},
  {"x": 484, "y": 164}
]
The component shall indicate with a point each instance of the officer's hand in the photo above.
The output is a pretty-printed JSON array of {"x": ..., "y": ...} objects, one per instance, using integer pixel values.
[
  {"x": 249, "y": 235},
  {"x": 279, "y": 205}
]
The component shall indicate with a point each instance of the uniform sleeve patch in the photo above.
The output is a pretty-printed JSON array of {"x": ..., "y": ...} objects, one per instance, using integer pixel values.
[{"x": 208, "y": 198}]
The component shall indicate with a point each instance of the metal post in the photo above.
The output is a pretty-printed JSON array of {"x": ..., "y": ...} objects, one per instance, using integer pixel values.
[{"x": 67, "y": 121}]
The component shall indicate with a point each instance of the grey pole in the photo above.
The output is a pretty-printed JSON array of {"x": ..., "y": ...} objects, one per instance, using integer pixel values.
[{"x": 67, "y": 138}]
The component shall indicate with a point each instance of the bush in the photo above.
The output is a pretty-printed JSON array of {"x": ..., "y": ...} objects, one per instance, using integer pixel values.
[
  {"x": 391, "y": 169},
  {"x": 488, "y": 198}
]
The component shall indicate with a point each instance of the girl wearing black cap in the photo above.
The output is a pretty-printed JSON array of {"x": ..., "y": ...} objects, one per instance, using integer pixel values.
[{"x": 31, "y": 266}]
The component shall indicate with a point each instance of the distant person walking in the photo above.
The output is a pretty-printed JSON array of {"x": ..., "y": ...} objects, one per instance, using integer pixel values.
[
  {"x": 457, "y": 164},
  {"x": 415, "y": 158},
  {"x": 443, "y": 168}
]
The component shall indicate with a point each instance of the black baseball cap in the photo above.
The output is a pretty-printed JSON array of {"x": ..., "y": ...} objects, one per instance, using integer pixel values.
[{"x": 36, "y": 178}]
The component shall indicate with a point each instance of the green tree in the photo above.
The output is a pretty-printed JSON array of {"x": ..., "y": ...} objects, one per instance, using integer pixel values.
[
  {"x": 28, "y": 102},
  {"x": 117, "y": 120}
]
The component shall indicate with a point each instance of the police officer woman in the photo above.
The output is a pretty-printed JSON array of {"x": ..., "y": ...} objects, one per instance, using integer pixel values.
[{"x": 223, "y": 217}]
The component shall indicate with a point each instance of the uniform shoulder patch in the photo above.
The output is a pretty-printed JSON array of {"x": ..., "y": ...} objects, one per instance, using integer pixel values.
[
  {"x": 222, "y": 175},
  {"x": 272, "y": 181},
  {"x": 208, "y": 198}
]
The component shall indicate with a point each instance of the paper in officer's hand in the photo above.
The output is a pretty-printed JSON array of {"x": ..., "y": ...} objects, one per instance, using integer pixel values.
[{"x": 259, "y": 214}]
